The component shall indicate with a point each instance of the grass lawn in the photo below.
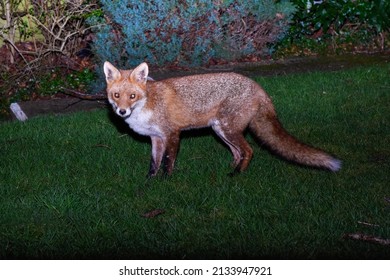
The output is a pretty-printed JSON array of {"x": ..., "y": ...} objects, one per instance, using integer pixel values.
[{"x": 75, "y": 186}]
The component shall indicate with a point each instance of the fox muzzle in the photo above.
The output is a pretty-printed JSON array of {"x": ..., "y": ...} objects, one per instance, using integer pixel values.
[{"x": 124, "y": 113}]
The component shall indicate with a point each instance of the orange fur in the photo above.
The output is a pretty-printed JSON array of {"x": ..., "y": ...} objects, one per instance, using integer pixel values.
[{"x": 227, "y": 102}]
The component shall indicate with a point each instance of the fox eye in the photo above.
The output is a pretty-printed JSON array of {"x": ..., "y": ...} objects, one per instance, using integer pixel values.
[
  {"x": 132, "y": 96},
  {"x": 116, "y": 95}
]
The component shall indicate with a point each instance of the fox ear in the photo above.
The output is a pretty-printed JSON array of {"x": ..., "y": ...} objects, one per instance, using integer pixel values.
[
  {"x": 111, "y": 72},
  {"x": 140, "y": 73}
]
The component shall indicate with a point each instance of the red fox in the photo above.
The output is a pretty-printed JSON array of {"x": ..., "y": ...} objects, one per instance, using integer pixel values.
[{"x": 226, "y": 102}]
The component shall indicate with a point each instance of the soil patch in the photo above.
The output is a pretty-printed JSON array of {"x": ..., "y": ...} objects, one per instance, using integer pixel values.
[{"x": 58, "y": 106}]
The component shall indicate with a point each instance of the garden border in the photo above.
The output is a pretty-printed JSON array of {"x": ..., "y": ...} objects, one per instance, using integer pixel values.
[{"x": 250, "y": 69}]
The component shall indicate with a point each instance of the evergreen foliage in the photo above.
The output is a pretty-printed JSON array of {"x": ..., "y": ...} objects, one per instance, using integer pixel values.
[
  {"x": 340, "y": 25},
  {"x": 188, "y": 32}
]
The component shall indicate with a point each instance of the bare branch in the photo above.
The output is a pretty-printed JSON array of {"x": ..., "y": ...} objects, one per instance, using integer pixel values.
[
  {"x": 61, "y": 23},
  {"x": 20, "y": 53},
  {"x": 85, "y": 96},
  {"x": 367, "y": 238}
]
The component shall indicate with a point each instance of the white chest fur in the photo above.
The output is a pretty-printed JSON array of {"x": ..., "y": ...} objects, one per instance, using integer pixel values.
[{"x": 139, "y": 121}]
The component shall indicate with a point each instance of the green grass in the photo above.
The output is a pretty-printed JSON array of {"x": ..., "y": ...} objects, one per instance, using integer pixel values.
[{"x": 74, "y": 186}]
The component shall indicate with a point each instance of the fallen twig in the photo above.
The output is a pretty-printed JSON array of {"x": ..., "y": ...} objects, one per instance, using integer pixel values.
[
  {"x": 367, "y": 238},
  {"x": 82, "y": 95},
  {"x": 367, "y": 224},
  {"x": 102, "y": 146}
]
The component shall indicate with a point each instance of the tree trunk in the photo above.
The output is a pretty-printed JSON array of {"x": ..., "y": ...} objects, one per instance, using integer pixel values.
[{"x": 11, "y": 30}]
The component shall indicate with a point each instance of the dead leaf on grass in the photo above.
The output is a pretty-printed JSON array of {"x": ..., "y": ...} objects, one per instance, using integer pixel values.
[{"x": 153, "y": 213}]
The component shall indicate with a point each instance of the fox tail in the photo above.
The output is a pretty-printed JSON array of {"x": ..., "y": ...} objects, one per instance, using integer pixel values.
[{"x": 266, "y": 126}]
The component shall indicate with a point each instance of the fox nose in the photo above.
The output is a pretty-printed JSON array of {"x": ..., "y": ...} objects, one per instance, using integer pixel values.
[{"x": 122, "y": 112}]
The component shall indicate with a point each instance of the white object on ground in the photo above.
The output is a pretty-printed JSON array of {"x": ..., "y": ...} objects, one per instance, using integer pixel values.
[{"x": 18, "y": 112}]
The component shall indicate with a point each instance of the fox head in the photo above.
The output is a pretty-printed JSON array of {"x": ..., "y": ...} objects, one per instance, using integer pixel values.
[{"x": 126, "y": 89}]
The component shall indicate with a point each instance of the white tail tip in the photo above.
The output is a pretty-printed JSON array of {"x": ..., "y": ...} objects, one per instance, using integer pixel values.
[{"x": 334, "y": 165}]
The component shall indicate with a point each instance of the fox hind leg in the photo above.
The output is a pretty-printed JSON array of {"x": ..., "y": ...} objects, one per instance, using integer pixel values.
[
  {"x": 241, "y": 150},
  {"x": 239, "y": 143}
]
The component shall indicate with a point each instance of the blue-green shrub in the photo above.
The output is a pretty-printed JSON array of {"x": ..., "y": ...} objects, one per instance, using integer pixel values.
[{"x": 188, "y": 32}]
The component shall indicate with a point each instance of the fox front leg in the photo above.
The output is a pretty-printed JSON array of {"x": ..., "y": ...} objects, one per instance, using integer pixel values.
[
  {"x": 158, "y": 150},
  {"x": 164, "y": 148},
  {"x": 172, "y": 148}
]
